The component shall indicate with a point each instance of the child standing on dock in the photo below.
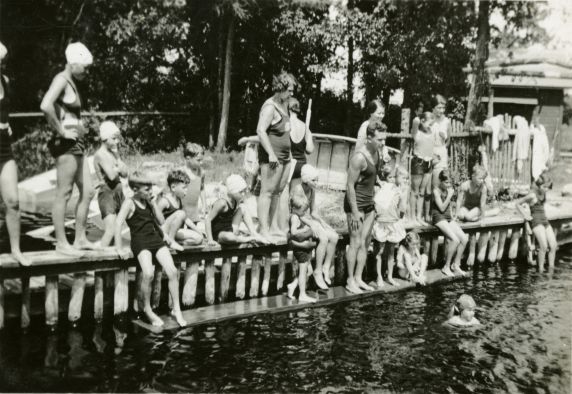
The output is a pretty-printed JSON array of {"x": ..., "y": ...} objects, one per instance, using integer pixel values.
[
  {"x": 388, "y": 228},
  {"x": 442, "y": 219},
  {"x": 223, "y": 221},
  {"x": 109, "y": 169},
  {"x": 302, "y": 236},
  {"x": 195, "y": 202},
  {"x": 176, "y": 224},
  {"x": 421, "y": 167},
  {"x": 148, "y": 241},
  {"x": 411, "y": 264},
  {"x": 539, "y": 223}
]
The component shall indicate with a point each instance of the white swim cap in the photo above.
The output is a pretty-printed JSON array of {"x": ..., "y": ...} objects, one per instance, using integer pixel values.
[
  {"x": 235, "y": 184},
  {"x": 77, "y": 53},
  {"x": 3, "y": 51},
  {"x": 107, "y": 130},
  {"x": 308, "y": 173}
]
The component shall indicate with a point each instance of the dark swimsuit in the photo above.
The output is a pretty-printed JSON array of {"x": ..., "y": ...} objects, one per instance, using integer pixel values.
[
  {"x": 171, "y": 209},
  {"x": 146, "y": 234},
  {"x": 537, "y": 210},
  {"x": 110, "y": 195},
  {"x": 302, "y": 255},
  {"x": 364, "y": 188},
  {"x": 299, "y": 153},
  {"x": 59, "y": 145},
  {"x": 278, "y": 135},
  {"x": 436, "y": 214},
  {"x": 5, "y": 137},
  {"x": 223, "y": 221},
  {"x": 473, "y": 200}
]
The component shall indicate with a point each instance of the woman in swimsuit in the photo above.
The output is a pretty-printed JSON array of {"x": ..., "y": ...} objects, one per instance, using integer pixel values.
[
  {"x": 62, "y": 108},
  {"x": 274, "y": 153},
  {"x": 8, "y": 168},
  {"x": 441, "y": 129}
]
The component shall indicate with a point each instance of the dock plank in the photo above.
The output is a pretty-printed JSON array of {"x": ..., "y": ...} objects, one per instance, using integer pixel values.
[{"x": 281, "y": 304}]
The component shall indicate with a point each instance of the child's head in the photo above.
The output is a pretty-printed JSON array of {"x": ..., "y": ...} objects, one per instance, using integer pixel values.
[
  {"x": 236, "y": 187},
  {"x": 412, "y": 240},
  {"x": 178, "y": 180},
  {"x": 464, "y": 307},
  {"x": 544, "y": 182},
  {"x": 299, "y": 203},
  {"x": 294, "y": 105},
  {"x": 309, "y": 175},
  {"x": 109, "y": 134},
  {"x": 444, "y": 180},
  {"x": 478, "y": 175},
  {"x": 194, "y": 154},
  {"x": 402, "y": 176},
  {"x": 387, "y": 174},
  {"x": 376, "y": 109},
  {"x": 427, "y": 119},
  {"x": 141, "y": 184}
]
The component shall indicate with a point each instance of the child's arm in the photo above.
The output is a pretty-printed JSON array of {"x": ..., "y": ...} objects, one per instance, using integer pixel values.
[
  {"x": 122, "y": 168},
  {"x": 524, "y": 200},
  {"x": 295, "y": 228},
  {"x": 108, "y": 165},
  {"x": 248, "y": 140},
  {"x": 309, "y": 141},
  {"x": 483, "y": 203},
  {"x": 409, "y": 267},
  {"x": 442, "y": 205},
  {"x": 126, "y": 211},
  {"x": 202, "y": 195},
  {"x": 403, "y": 201},
  {"x": 218, "y": 207},
  {"x": 159, "y": 207}
]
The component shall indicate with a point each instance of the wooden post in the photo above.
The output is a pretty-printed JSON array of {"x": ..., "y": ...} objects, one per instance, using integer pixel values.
[
  {"x": 255, "y": 276},
  {"x": 225, "y": 278},
  {"x": 493, "y": 246},
  {"x": 266, "y": 277},
  {"x": 51, "y": 301},
  {"x": 435, "y": 249},
  {"x": 241, "y": 278},
  {"x": 25, "y": 312},
  {"x": 472, "y": 249},
  {"x": 502, "y": 241},
  {"x": 340, "y": 276},
  {"x": 137, "y": 302},
  {"x": 209, "y": 281},
  {"x": 98, "y": 286},
  {"x": 156, "y": 287},
  {"x": 121, "y": 293},
  {"x": 190, "y": 286},
  {"x": 482, "y": 246},
  {"x": 513, "y": 247},
  {"x": 2, "y": 290},
  {"x": 281, "y": 270},
  {"x": 76, "y": 298}
]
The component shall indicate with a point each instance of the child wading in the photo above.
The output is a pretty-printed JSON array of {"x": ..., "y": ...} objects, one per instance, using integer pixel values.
[
  {"x": 176, "y": 224},
  {"x": 441, "y": 215},
  {"x": 388, "y": 228},
  {"x": 148, "y": 241},
  {"x": 109, "y": 169},
  {"x": 462, "y": 313},
  {"x": 301, "y": 236},
  {"x": 223, "y": 221},
  {"x": 411, "y": 264}
]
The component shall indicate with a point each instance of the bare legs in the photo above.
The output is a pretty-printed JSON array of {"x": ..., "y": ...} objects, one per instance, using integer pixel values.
[
  {"x": 273, "y": 182},
  {"x": 546, "y": 243},
  {"x": 456, "y": 243},
  {"x": 300, "y": 282},
  {"x": 357, "y": 254},
  {"x": 420, "y": 186},
  {"x": 109, "y": 226},
  {"x": 390, "y": 263},
  {"x": 174, "y": 227},
  {"x": 9, "y": 189}
]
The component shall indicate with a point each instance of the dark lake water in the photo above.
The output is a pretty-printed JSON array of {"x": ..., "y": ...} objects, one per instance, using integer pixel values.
[{"x": 391, "y": 343}]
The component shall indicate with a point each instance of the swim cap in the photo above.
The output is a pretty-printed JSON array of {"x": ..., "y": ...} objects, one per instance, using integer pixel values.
[
  {"x": 308, "y": 173},
  {"x": 77, "y": 53},
  {"x": 107, "y": 130},
  {"x": 235, "y": 184},
  {"x": 3, "y": 51}
]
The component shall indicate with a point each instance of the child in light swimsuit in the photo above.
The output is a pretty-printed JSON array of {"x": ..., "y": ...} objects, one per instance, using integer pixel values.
[
  {"x": 462, "y": 313},
  {"x": 411, "y": 264},
  {"x": 194, "y": 201}
]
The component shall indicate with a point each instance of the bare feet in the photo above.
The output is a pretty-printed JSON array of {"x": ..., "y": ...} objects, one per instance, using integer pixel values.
[
  {"x": 422, "y": 222},
  {"x": 291, "y": 289},
  {"x": 447, "y": 272},
  {"x": 176, "y": 246},
  {"x": 458, "y": 270},
  {"x": 68, "y": 250},
  {"x": 153, "y": 318},
  {"x": 362, "y": 285},
  {"x": 20, "y": 258},
  {"x": 179, "y": 318},
  {"x": 392, "y": 282},
  {"x": 305, "y": 298},
  {"x": 84, "y": 244},
  {"x": 319, "y": 279},
  {"x": 326, "y": 273},
  {"x": 352, "y": 287},
  {"x": 380, "y": 283}
]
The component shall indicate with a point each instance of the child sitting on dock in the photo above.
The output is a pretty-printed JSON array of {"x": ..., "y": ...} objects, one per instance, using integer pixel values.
[
  {"x": 223, "y": 221},
  {"x": 324, "y": 234},
  {"x": 176, "y": 224},
  {"x": 194, "y": 201},
  {"x": 148, "y": 241},
  {"x": 462, "y": 313},
  {"x": 543, "y": 232},
  {"x": 388, "y": 227},
  {"x": 473, "y": 197},
  {"x": 301, "y": 236},
  {"x": 109, "y": 169},
  {"x": 411, "y": 264},
  {"x": 456, "y": 238}
]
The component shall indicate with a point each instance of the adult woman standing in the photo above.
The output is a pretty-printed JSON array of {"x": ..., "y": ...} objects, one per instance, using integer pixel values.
[
  {"x": 62, "y": 107},
  {"x": 441, "y": 129},
  {"x": 8, "y": 169},
  {"x": 274, "y": 153}
]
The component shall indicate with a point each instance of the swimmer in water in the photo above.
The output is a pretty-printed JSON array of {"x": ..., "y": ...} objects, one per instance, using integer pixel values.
[{"x": 462, "y": 314}]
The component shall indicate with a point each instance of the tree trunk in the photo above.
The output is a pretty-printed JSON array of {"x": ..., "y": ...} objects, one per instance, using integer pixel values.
[
  {"x": 350, "y": 76},
  {"x": 221, "y": 140},
  {"x": 479, "y": 83}
]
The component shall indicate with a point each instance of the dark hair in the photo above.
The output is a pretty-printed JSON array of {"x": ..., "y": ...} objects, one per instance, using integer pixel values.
[
  {"x": 138, "y": 179},
  {"x": 294, "y": 105},
  {"x": 426, "y": 115},
  {"x": 178, "y": 176},
  {"x": 375, "y": 125},
  {"x": 373, "y": 105},
  {"x": 444, "y": 176},
  {"x": 282, "y": 81},
  {"x": 437, "y": 99},
  {"x": 192, "y": 149},
  {"x": 386, "y": 171}
]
